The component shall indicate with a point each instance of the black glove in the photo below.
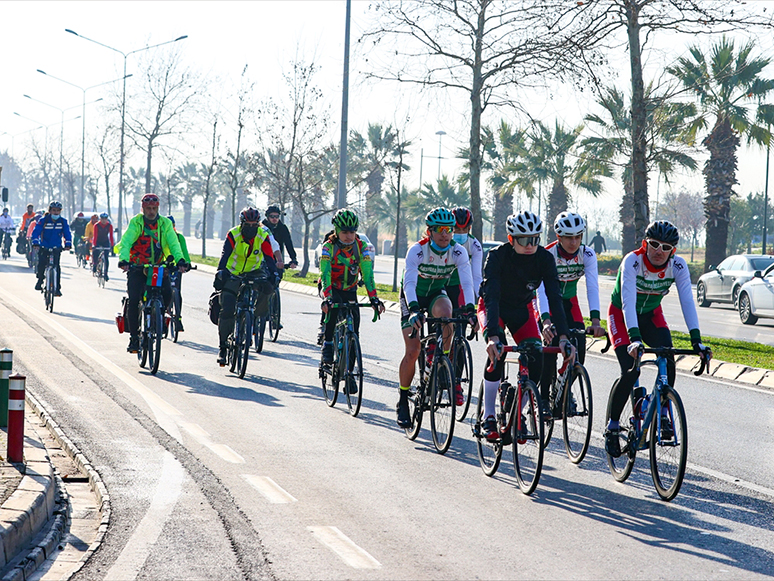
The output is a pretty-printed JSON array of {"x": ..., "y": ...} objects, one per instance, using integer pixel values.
[
  {"x": 123, "y": 265},
  {"x": 376, "y": 304},
  {"x": 182, "y": 265}
]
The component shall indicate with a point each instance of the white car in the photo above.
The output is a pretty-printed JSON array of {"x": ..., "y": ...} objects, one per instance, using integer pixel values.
[
  {"x": 363, "y": 237},
  {"x": 756, "y": 297}
]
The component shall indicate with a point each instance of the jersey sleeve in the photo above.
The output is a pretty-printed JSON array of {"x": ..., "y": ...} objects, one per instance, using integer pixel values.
[
  {"x": 228, "y": 248},
  {"x": 550, "y": 279},
  {"x": 591, "y": 272},
  {"x": 542, "y": 300},
  {"x": 685, "y": 293},
  {"x": 492, "y": 292},
  {"x": 411, "y": 274},
  {"x": 325, "y": 270},
  {"x": 462, "y": 261},
  {"x": 476, "y": 266},
  {"x": 367, "y": 269},
  {"x": 629, "y": 267}
]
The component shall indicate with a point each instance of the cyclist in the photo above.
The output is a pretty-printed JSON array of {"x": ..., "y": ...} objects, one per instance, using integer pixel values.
[
  {"x": 635, "y": 316},
  {"x": 28, "y": 236},
  {"x": 344, "y": 257},
  {"x": 7, "y": 228},
  {"x": 148, "y": 239},
  {"x": 512, "y": 273},
  {"x": 280, "y": 233},
  {"x": 573, "y": 261},
  {"x": 429, "y": 266},
  {"x": 245, "y": 252},
  {"x": 102, "y": 238},
  {"x": 78, "y": 228},
  {"x": 21, "y": 240},
  {"x": 463, "y": 223},
  {"x": 184, "y": 249},
  {"x": 48, "y": 234},
  {"x": 88, "y": 234}
]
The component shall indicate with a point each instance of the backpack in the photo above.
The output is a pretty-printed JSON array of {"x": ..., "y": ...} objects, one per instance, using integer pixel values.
[{"x": 214, "y": 309}]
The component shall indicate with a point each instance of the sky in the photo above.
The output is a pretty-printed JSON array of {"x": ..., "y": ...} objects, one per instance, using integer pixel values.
[{"x": 225, "y": 36}]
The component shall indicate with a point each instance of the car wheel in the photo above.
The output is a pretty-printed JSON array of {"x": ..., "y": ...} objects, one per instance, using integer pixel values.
[
  {"x": 745, "y": 310},
  {"x": 735, "y": 296},
  {"x": 701, "y": 295}
]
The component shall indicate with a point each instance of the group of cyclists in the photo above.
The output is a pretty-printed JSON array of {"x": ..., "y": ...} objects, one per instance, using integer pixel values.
[{"x": 524, "y": 288}]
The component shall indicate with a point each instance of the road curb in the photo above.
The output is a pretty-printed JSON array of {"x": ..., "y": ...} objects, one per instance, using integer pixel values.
[{"x": 50, "y": 542}]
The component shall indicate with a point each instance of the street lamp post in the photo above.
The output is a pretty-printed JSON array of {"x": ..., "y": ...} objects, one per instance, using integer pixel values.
[
  {"x": 440, "y": 135},
  {"x": 83, "y": 116},
  {"x": 123, "y": 112},
  {"x": 766, "y": 194}
]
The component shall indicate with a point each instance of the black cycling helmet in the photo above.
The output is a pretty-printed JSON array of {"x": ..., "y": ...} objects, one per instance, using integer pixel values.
[
  {"x": 249, "y": 215},
  {"x": 463, "y": 217},
  {"x": 663, "y": 231},
  {"x": 56, "y": 205},
  {"x": 273, "y": 210}
]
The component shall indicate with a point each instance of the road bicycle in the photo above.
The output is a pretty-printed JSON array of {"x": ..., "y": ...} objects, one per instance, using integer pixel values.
[
  {"x": 273, "y": 315},
  {"x": 241, "y": 337},
  {"x": 655, "y": 422},
  {"x": 32, "y": 256},
  {"x": 152, "y": 316},
  {"x": 82, "y": 253},
  {"x": 462, "y": 363},
  {"x": 518, "y": 414},
  {"x": 347, "y": 363},
  {"x": 570, "y": 400},
  {"x": 7, "y": 237},
  {"x": 102, "y": 266},
  {"x": 51, "y": 278},
  {"x": 173, "y": 316},
  {"x": 435, "y": 392}
]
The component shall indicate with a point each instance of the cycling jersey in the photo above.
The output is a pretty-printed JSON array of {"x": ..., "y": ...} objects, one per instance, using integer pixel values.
[
  {"x": 640, "y": 287},
  {"x": 25, "y": 221},
  {"x": 88, "y": 232},
  {"x": 79, "y": 227},
  {"x": 570, "y": 268},
  {"x": 149, "y": 243},
  {"x": 49, "y": 233},
  {"x": 103, "y": 235},
  {"x": 183, "y": 247},
  {"x": 341, "y": 264},
  {"x": 427, "y": 271},
  {"x": 240, "y": 256},
  {"x": 6, "y": 223},
  {"x": 476, "y": 255},
  {"x": 281, "y": 235}
]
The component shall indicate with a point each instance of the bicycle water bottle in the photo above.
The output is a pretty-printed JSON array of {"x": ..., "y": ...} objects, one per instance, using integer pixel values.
[
  {"x": 644, "y": 402},
  {"x": 430, "y": 351}
]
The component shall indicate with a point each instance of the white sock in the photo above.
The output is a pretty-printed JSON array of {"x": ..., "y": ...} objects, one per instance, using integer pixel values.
[{"x": 490, "y": 396}]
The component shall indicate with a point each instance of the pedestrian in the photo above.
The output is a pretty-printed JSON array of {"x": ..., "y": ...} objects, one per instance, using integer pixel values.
[{"x": 598, "y": 242}]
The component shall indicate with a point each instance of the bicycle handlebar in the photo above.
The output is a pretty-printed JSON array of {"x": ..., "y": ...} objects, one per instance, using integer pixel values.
[
  {"x": 443, "y": 321},
  {"x": 661, "y": 351},
  {"x": 529, "y": 347}
]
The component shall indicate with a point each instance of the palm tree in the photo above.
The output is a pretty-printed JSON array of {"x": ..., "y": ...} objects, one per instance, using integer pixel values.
[
  {"x": 729, "y": 88},
  {"x": 555, "y": 150},
  {"x": 612, "y": 147}
]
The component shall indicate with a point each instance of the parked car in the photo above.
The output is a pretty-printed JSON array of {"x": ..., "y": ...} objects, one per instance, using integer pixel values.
[
  {"x": 756, "y": 297},
  {"x": 363, "y": 237},
  {"x": 723, "y": 282}
]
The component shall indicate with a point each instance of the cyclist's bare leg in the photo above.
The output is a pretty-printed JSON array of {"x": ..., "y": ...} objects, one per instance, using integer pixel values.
[
  {"x": 409, "y": 361},
  {"x": 442, "y": 308}
]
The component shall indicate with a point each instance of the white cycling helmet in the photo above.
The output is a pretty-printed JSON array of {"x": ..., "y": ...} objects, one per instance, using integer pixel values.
[
  {"x": 569, "y": 224},
  {"x": 524, "y": 224}
]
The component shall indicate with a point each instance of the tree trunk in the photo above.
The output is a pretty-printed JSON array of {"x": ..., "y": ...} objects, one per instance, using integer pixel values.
[
  {"x": 148, "y": 175},
  {"x": 307, "y": 230},
  {"x": 626, "y": 215},
  {"x": 475, "y": 126},
  {"x": 557, "y": 203},
  {"x": 187, "y": 203},
  {"x": 719, "y": 178},
  {"x": 503, "y": 207},
  {"x": 639, "y": 112}
]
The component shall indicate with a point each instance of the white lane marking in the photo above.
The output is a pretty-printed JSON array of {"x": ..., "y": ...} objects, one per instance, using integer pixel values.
[
  {"x": 137, "y": 549},
  {"x": 203, "y": 437},
  {"x": 272, "y": 491},
  {"x": 345, "y": 548}
]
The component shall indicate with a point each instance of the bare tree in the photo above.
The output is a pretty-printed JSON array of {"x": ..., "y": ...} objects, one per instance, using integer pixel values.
[
  {"x": 484, "y": 48},
  {"x": 108, "y": 158},
  {"x": 234, "y": 160},
  {"x": 164, "y": 106},
  {"x": 210, "y": 170}
]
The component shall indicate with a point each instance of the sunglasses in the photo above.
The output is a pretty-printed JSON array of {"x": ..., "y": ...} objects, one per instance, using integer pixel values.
[
  {"x": 443, "y": 229},
  {"x": 527, "y": 240},
  {"x": 663, "y": 246},
  {"x": 273, "y": 216}
]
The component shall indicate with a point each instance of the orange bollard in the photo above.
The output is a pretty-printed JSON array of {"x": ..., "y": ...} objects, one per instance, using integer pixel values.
[{"x": 16, "y": 418}]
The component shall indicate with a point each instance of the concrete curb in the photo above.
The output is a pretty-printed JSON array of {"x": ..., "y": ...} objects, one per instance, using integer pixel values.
[
  {"x": 50, "y": 543},
  {"x": 718, "y": 369},
  {"x": 32, "y": 504}
]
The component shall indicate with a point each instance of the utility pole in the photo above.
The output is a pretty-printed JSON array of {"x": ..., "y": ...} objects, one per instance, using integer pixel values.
[{"x": 341, "y": 194}]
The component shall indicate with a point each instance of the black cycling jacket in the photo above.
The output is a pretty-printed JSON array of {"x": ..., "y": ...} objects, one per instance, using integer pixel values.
[
  {"x": 510, "y": 281},
  {"x": 282, "y": 236}
]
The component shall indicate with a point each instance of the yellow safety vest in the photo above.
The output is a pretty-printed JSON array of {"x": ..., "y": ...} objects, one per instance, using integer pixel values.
[{"x": 246, "y": 257}]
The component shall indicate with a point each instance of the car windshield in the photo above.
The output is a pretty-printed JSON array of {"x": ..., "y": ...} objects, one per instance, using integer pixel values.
[
  {"x": 762, "y": 263},
  {"x": 364, "y": 238}
]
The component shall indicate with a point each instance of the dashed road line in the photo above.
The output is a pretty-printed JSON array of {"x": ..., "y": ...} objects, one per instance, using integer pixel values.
[
  {"x": 204, "y": 438},
  {"x": 345, "y": 548},
  {"x": 272, "y": 491}
]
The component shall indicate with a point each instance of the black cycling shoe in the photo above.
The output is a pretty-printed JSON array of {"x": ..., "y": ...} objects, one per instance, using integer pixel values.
[
  {"x": 667, "y": 429},
  {"x": 134, "y": 344},
  {"x": 327, "y": 352},
  {"x": 404, "y": 418},
  {"x": 222, "y": 357},
  {"x": 351, "y": 386},
  {"x": 613, "y": 443},
  {"x": 546, "y": 413},
  {"x": 179, "y": 323},
  {"x": 58, "y": 293},
  {"x": 489, "y": 429},
  {"x": 39, "y": 285}
]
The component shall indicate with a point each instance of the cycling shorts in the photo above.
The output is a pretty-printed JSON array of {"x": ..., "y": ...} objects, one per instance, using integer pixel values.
[
  {"x": 616, "y": 325},
  {"x": 522, "y": 324},
  {"x": 425, "y": 303}
]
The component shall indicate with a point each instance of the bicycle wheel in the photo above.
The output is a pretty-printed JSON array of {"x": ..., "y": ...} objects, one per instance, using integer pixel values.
[
  {"x": 142, "y": 352},
  {"x": 353, "y": 383},
  {"x": 243, "y": 336},
  {"x": 528, "y": 438},
  {"x": 416, "y": 410},
  {"x": 154, "y": 335},
  {"x": 260, "y": 331},
  {"x": 489, "y": 453},
  {"x": 274, "y": 316},
  {"x": 442, "y": 407},
  {"x": 50, "y": 288},
  {"x": 622, "y": 466},
  {"x": 669, "y": 447},
  {"x": 177, "y": 311},
  {"x": 578, "y": 414},
  {"x": 463, "y": 372},
  {"x": 101, "y": 271}
]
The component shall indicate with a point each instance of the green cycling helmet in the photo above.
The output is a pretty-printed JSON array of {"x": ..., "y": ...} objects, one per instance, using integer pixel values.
[
  {"x": 345, "y": 220},
  {"x": 440, "y": 217}
]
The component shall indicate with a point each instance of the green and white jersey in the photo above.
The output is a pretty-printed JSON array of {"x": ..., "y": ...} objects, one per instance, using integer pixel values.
[
  {"x": 570, "y": 269},
  {"x": 427, "y": 271},
  {"x": 476, "y": 254}
]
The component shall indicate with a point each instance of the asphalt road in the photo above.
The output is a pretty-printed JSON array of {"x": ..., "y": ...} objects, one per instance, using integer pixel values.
[{"x": 215, "y": 477}]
